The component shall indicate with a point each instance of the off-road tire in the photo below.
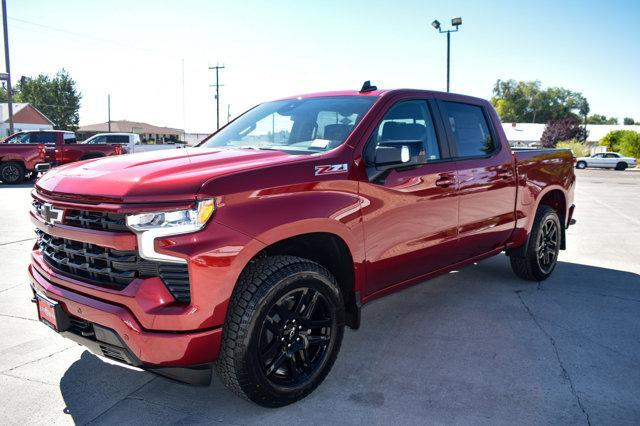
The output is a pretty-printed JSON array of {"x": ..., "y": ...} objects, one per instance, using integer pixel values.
[
  {"x": 528, "y": 267},
  {"x": 259, "y": 288},
  {"x": 11, "y": 173},
  {"x": 581, "y": 165}
]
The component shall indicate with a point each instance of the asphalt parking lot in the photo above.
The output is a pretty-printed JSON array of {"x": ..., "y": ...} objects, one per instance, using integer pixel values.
[{"x": 475, "y": 346}]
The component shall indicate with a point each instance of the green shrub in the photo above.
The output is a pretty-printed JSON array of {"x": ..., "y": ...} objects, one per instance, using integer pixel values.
[
  {"x": 613, "y": 139},
  {"x": 630, "y": 144},
  {"x": 578, "y": 148}
]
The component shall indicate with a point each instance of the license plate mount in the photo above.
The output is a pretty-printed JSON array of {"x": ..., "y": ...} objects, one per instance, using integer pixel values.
[{"x": 51, "y": 314}]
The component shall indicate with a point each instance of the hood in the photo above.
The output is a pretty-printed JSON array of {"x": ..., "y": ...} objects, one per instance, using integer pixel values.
[{"x": 171, "y": 175}]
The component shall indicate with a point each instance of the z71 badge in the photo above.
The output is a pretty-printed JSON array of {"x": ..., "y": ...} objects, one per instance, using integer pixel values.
[{"x": 331, "y": 169}]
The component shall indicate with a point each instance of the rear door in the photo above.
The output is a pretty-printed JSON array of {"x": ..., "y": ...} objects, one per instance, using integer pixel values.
[
  {"x": 410, "y": 216},
  {"x": 611, "y": 159},
  {"x": 486, "y": 178}
]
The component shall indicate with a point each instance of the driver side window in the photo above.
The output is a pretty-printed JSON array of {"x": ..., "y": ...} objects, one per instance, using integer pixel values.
[{"x": 406, "y": 121}]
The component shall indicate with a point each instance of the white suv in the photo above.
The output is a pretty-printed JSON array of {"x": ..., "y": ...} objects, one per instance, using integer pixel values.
[
  {"x": 130, "y": 142},
  {"x": 608, "y": 160}
]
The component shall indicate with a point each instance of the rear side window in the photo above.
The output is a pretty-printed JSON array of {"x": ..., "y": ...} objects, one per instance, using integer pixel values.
[
  {"x": 406, "y": 120},
  {"x": 121, "y": 139},
  {"x": 47, "y": 138},
  {"x": 70, "y": 138},
  {"x": 469, "y": 129}
]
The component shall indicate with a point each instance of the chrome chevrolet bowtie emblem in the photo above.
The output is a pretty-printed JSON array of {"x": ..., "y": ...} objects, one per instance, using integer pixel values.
[{"x": 50, "y": 214}]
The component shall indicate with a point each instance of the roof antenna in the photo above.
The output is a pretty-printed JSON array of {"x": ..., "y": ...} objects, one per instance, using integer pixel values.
[{"x": 367, "y": 87}]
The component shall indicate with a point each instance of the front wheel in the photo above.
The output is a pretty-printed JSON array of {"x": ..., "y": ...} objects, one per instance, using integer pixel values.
[
  {"x": 11, "y": 173},
  {"x": 544, "y": 246},
  {"x": 621, "y": 166},
  {"x": 283, "y": 330},
  {"x": 581, "y": 165}
]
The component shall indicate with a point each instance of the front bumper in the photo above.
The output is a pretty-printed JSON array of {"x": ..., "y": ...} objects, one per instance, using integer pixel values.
[{"x": 119, "y": 336}]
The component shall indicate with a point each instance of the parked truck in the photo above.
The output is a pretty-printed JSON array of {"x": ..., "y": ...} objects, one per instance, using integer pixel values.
[
  {"x": 62, "y": 147},
  {"x": 130, "y": 142},
  {"x": 253, "y": 251},
  {"x": 20, "y": 162}
]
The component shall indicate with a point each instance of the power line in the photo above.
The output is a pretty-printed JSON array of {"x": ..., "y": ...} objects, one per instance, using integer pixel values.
[{"x": 80, "y": 35}]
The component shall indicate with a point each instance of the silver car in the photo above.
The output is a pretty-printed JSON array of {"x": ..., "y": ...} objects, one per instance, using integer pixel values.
[{"x": 608, "y": 160}]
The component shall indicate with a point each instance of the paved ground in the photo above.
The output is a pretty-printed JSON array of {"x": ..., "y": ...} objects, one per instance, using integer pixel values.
[{"x": 476, "y": 346}]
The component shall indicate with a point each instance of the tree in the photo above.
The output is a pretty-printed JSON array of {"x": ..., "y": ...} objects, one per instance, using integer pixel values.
[
  {"x": 563, "y": 130},
  {"x": 56, "y": 97},
  {"x": 630, "y": 144},
  {"x": 526, "y": 101},
  {"x": 613, "y": 139},
  {"x": 601, "y": 119},
  {"x": 629, "y": 121}
]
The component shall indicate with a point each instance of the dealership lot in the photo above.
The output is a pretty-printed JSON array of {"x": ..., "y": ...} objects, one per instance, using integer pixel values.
[{"x": 475, "y": 346}]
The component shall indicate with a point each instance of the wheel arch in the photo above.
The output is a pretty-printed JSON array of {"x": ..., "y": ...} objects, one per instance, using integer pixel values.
[
  {"x": 327, "y": 248},
  {"x": 555, "y": 197}
]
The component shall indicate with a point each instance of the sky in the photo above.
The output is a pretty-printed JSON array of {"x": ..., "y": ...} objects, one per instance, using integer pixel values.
[{"x": 152, "y": 57}]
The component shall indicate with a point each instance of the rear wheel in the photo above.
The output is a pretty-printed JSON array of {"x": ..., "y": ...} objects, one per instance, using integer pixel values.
[
  {"x": 581, "y": 165},
  {"x": 11, "y": 173},
  {"x": 544, "y": 246},
  {"x": 283, "y": 331},
  {"x": 621, "y": 166}
]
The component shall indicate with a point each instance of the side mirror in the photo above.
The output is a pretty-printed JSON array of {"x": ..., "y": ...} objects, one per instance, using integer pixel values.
[{"x": 391, "y": 155}]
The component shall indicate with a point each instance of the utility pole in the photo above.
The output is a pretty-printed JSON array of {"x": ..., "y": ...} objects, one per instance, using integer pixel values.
[
  {"x": 6, "y": 60},
  {"x": 109, "y": 111},
  {"x": 228, "y": 113},
  {"x": 217, "y": 86}
]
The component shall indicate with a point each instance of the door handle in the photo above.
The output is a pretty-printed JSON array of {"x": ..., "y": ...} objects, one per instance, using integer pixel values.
[
  {"x": 504, "y": 173},
  {"x": 444, "y": 181}
]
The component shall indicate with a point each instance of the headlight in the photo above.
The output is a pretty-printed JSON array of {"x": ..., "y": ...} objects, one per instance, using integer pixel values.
[
  {"x": 149, "y": 226},
  {"x": 193, "y": 219}
]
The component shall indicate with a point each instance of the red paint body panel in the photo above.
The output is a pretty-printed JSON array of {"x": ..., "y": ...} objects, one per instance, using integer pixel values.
[
  {"x": 398, "y": 232},
  {"x": 28, "y": 154}
]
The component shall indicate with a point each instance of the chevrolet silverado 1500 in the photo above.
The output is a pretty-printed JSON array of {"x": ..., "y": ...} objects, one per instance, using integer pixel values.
[
  {"x": 253, "y": 251},
  {"x": 62, "y": 147}
]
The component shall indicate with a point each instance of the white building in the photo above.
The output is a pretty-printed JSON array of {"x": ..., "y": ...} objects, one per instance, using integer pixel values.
[
  {"x": 529, "y": 134},
  {"x": 25, "y": 117}
]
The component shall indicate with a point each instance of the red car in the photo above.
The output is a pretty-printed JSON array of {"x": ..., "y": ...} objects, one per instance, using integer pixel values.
[
  {"x": 258, "y": 247},
  {"x": 62, "y": 146}
]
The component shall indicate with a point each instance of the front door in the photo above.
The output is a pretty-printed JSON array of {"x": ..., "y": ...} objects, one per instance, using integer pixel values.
[{"x": 410, "y": 216}]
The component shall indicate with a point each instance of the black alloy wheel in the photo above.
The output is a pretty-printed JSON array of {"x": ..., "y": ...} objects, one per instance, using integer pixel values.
[
  {"x": 547, "y": 246},
  {"x": 11, "y": 173},
  {"x": 295, "y": 335}
]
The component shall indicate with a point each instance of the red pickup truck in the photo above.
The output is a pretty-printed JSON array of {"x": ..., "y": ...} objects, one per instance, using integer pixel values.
[
  {"x": 258, "y": 247},
  {"x": 62, "y": 146},
  {"x": 20, "y": 162}
]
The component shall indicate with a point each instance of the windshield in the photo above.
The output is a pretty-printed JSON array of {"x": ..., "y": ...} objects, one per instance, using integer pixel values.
[{"x": 298, "y": 126}]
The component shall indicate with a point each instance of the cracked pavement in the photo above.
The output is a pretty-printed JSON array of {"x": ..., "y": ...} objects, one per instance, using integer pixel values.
[{"x": 476, "y": 346}]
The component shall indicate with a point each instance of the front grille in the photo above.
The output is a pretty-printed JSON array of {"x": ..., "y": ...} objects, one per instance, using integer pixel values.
[
  {"x": 109, "y": 268},
  {"x": 100, "y": 221}
]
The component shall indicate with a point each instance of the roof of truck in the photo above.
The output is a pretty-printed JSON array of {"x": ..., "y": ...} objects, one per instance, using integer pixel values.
[{"x": 386, "y": 92}]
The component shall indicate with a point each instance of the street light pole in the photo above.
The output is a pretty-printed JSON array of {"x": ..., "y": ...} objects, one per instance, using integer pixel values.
[
  {"x": 6, "y": 60},
  {"x": 455, "y": 22},
  {"x": 448, "y": 59}
]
